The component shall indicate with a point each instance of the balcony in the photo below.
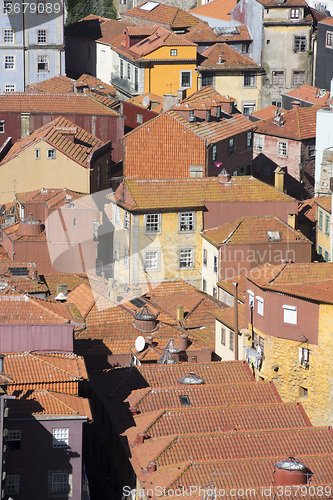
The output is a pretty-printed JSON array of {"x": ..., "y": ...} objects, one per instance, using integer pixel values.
[{"x": 124, "y": 85}]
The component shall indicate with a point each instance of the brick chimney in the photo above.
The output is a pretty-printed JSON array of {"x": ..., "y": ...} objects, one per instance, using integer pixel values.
[{"x": 279, "y": 179}]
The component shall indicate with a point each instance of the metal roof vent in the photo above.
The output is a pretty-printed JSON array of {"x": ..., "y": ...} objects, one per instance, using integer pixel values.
[
  {"x": 191, "y": 379},
  {"x": 145, "y": 320},
  {"x": 291, "y": 471},
  {"x": 30, "y": 227},
  {"x": 61, "y": 297},
  {"x": 167, "y": 358},
  {"x": 3, "y": 285},
  {"x": 171, "y": 346}
]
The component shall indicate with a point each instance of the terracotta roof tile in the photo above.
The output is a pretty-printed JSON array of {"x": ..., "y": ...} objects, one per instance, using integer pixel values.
[
  {"x": 217, "y": 9},
  {"x": 324, "y": 202},
  {"x": 230, "y": 57},
  {"x": 155, "y": 102},
  {"x": 166, "y": 14},
  {"x": 47, "y": 403},
  {"x": 288, "y": 3},
  {"x": 309, "y": 94},
  {"x": 46, "y": 195},
  {"x": 307, "y": 211},
  {"x": 298, "y": 124},
  {"x": 154, "y": 194},
  {"x": 97, "y": 84},
  {"x": 226, "y": 316},
  {"x": 228, "y": 286},
  {"x": 203, "y": 33},
  {"x": 267, "y": 113},
  {"x": 58, "y": 84},
  {"x": 328, "y": 20},
  {"x": 252, "y": 230}
]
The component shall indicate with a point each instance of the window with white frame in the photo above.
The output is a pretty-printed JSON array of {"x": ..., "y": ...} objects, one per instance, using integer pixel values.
[
  {"x": 231, "y": 147},
  {"x": 204, "y": 285},
  {"x": 51, "y": 154},
  {"x": 126, "y": 220},
  {"x": 251, "y": 298},
  {"x": 42, "y": 63},
  {"x": 214, "y": 153},
  {"x": 13, "y": 441},
  {"x": 60, "y": 438},
  {"x": 259, "y": 143},
  {"x": 9, "y": 62},
  {"x": 205, "y": 257},
  {"x": 126, "y": 258},
  {"x": 249, "y": 79},
  {"x": 260, "y": 305},
  {"x": 294, "y": 13},
  {"x": 282, "y": 149},
  {"x": 222, "y": 335},
  {"x": 10, "y": 87},
  {"x": 290, "y": 314},
  {"x": 108, "y": 169},
  {"x": 128, "y": 71},
  {"x": 151, "y": 260},
  {"x": 215, "y": 264},
  {"x": 248, "y": 109},
  {"x": 311, "y": 150},
  {"x": 249, "y": 139},
  {"x": 12, "y": 484},
  {"x": 186, "y": 258},
  {"x": 8, "y": 35},
  {"x": 277, "y": 77},
  {"x": 122, "y": 2},
  {"x": 329, "y": 39},
  {"x": 139, "y": 118},
  {"x": 327, "y": 224},
  {"x": 304, "y": 355},
  {"x": 60, "y": 482},
  {"x": 41, "y": 36},
  {"x": 153, "y": 223},
  {"x": 231, "y": 340},
  {"x": 299, "y": 43},
  {"x": 2, "y": 126},
  {"x": 173, "y": 52},
  {"x": 37, "y": 154},
  {"x": 298, "y": 77},
  {"x": 186, "y": 79},
  {"x": 186, "y": 221}
]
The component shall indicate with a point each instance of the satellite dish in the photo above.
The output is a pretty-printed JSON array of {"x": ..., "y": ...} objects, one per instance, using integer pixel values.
[
  {"x": 2, "y": 210},
  {"x": 145, "y": 101},
  {"x": 140, "y": 343}
]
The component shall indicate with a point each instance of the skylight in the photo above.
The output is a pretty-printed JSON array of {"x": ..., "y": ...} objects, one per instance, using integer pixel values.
[
  {"x": 137, "y": 302},
  {"x": 274, "y": 235},
  {"x": 149, "y": 6},
  {"x": 185, "y": 400}
]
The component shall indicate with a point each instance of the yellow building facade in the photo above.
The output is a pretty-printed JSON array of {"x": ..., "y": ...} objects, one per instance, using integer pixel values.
[
  {"x": 324, "y": 230},
  {"x": 247, "y": 96}
]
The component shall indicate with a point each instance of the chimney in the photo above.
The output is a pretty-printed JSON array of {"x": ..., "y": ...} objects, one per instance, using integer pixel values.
[
  {"x": 133, "y": 410},
  {"x": 291, "y": 471},
  {"x": 181, "y": 94},
  {"x": 295, "y": 104},
  {"x": 62, "y": 288},
  {"x": 169, "y": 100},
  {"x": 140, "y": 438},
  {"x": 292, "y": 220},
  {"x": 224, "y": 177},
  {"x": 279, "y": 179},
  {"x": 149, "y": 340},
  {"x": 151, "y": 467},
  {"x": 180, "y": 313},
  {"x": 25, "y": 125},
  {"x": 183, "y": 342}
]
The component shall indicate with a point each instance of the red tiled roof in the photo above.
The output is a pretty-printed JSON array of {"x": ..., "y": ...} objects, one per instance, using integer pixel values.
[
  {"x": 230, "y": 57},
  {"x": 228, "y": 286},
  {"x": 252, "y": 230},
  {"x": 166, "y": 14},
  {"x": 298, "y": 124},
  {"x": 58, "y": 104},
  {"x": 58, "y": 84},
  {"x": 227, "y": 316},
  {"x": 324, "y": 202},
  {"x": 288, "y": 3},
  {"x": 217, "y": 9},
  {"x": 47, "y": 195},
  {"x": 310, "y": 94},
  {"x": 203, "y": 33},
  {"x": 155, "y": 194},
  {"x": 307, "y": 211},
  {"x": 54, "y": 134},
  {"x": 267, "y": 113},
  {"x": 97, "y": 84},
  {"x": 328, "y": 20},
  {"x": 49, "y": 404}
]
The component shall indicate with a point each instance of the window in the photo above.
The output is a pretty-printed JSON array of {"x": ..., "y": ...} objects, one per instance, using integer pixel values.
[
  {"x": 186, "y": 258},
  {"x": 248, "y": 109},
  {"x": 282, "y": 149},
  {"x": 299, "y": 44},
  {"x": 10, "y": 87},
  {"x": 42, "y": 63},
  {"x": 320, "y": 250},
  {"x": 51, "y": 154},
  {"x": 2, "y": 126},
  {"x": 215, "y": 264},
  {"x": 121, "y": 69},
  {"x": 214, "y": 153},
  {"x": 223, "y": 336},
  {"x": 204, "y": 285},
  {"x": 128, "y": 71},
  {"x": 303, "y": 392},
  {"x": 327, "y": 225},
  {"x": 207, "y": 79},
  {"x": 185, "y": 79},
  {"x": 278, "y": 78},
  {"x": 298, "y": 77},
  {"x": 41, "y": 36},
  {"x": 60, "y": 438},
  {"x": 290, "y": 314},
  {"x": 153, "y": 223},
  {"x": 245, "y": 48},
  {"x": 273, "y": 235},
  {"x": 126, "y": 258},
  {"x": 186, "y": 221},
  {"x": 278, "y": 104},
  {"x": 205, "y": 257},
  {"x": 13, "y": 441},
  {"x": 261, "y": 346},
  {"x": 74, "y": 222},
  {"x": 326, "y": 256},
  {"x": 126, "y": 220},
  {"x": 320, "y": 221},
  {"x": 151, "y": 260},
  {"x": 108, "y": 169},
  {"x": 251, "y": 298},
  {"x": 235, "y": 172},
  {"x": 185, "y": 400},
  {"x": 311, "y": 150},
  {"x": 37, "y": 154},
  {"x": 139, "y": 118},
  {"x": 249, "y": 80},
  {"x": 214, "y": 292},
  {"x": 329, "y": 39},
  {"x": 260, "y": 305},
  {"x": 136, "y": 79},
  {"x": 231, "y": 341},
  {"x": 249, "y": 139},
  {"x": 8, "y": 36},
  {"x": 294, "y": 13},
  {"x": 304, "y": 356},
  {"x": 60, "y": 482},
  {"x": 122, "y": 2},
  {"x": 231, "y": 149},
  {"x": 117, "y": 215},
  {"x": 12, "y": 484},
  {"x": 259, "y": 143},
  {"x": 8, "y": 7},
  {"x": 173, "y": 52},
  {"x": 9, "y": 62}
]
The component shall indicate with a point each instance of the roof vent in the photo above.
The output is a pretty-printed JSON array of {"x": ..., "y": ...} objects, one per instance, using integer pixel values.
[
  {"x": 145, "y": 320},
  {"x": 61, "y": 297},
  {"x": 224, "y": 176},
  {"x": 30, "y": 227},
  {"x": 171, "y": 346},
  {"x": 291, "y": 471},
  {"x": 191, "y": 379},
  {"x": 3, "y": 285}
]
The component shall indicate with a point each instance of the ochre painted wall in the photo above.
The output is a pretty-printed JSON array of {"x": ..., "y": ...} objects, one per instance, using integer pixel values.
[{"x": 232, "y": 85}]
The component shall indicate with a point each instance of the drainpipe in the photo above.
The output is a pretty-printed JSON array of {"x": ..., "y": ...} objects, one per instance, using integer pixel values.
[{"x": 236, "y": 319}]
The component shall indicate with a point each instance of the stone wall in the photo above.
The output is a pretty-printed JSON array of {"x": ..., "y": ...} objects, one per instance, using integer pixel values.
[{"x": 326, "y": 172}]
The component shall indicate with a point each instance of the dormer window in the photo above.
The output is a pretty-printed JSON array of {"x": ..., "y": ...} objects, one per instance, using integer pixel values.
[
  {"x": 218, "y": 112},
  {"x": 294, "y": 14}
]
